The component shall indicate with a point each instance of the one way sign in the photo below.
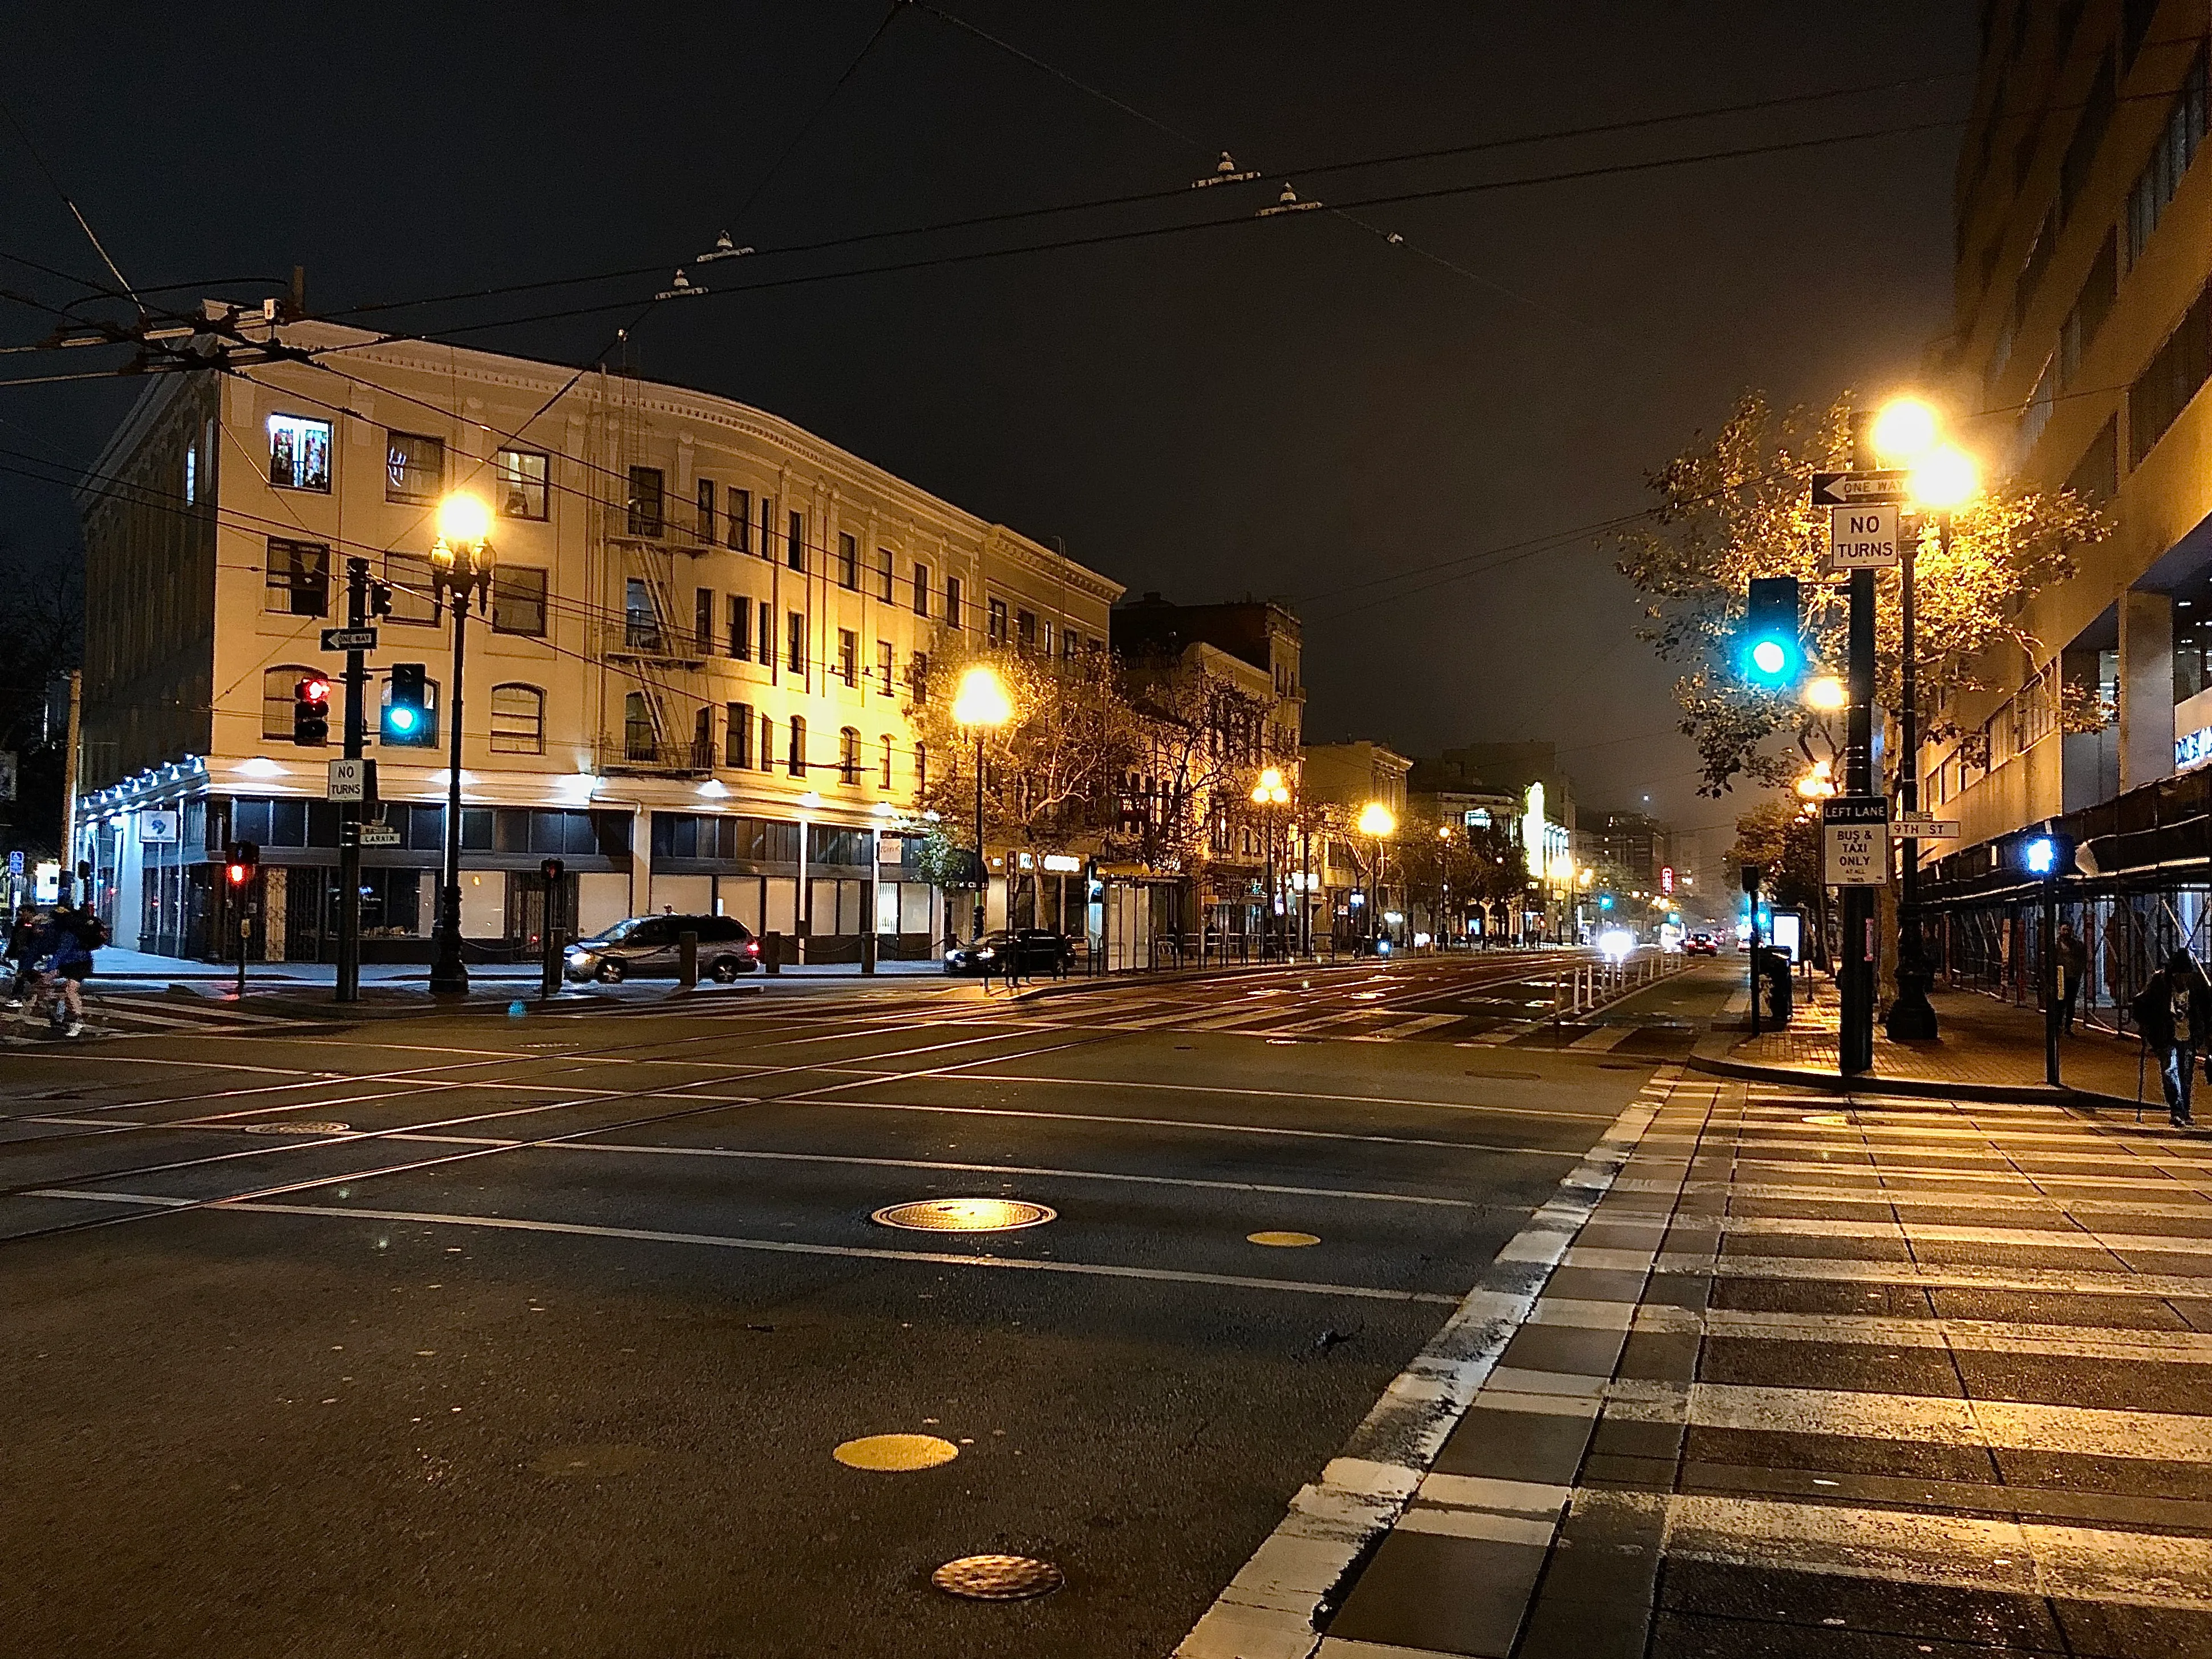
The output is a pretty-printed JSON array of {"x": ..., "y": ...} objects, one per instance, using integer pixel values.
[{"x": 1886, "y": 487}]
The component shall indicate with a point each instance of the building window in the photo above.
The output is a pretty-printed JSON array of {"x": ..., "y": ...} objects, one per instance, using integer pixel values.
[
  {"x": 1025, "y": 629},
  {"x": 2091, "y": 305},
  {"x": 795, "y": 542},
  {"x": 848, "y": 657},
  {"x": 408, "y": 575},
  {"x": 703, "y": 738},
  {"x": 921, "y": 590},
  {"x": 738, "y": 735},
  {"x": 886, "y": 576},
  {"x": 885, "y": 780},
  {"x": 795, "y": 761},
  {"x": 192, "y": 473},
  {"x": 2088, "y": 134},
  {"x": 2096, "y": 476},
  {"x": 740, "y": 642},
  {"x": 995, "y": 621},
  {"x": 279, "y": 688},
  {"x": 648, "y": 503},
  {"x": 524, "y": 477},
  {"x": 518, "y": 720},
  {"x": 953, "y": 602},
  {"x": 917, "y": 670},
  {"x": 794, "y": 633},
  {"x": 2164, "y": 390},
  {"x": 414, "y": 467},
  {"x": 740, "y": 505},
  {"x": 768, "y": 743},
  {"x": 702, "y": 620},
  {"x": 1044, "y": 637},
  {"x": 921, "y": 769},
  {"x": 885, "y": 661},
  {"x": 2170, "y": 157},
  {"x": 640, "y": 625},
  {"x": 706, "y": 511},
  {"x": 518, "y": 600},
  {"x": 637, "y": 728},
  {"x": 848, "y": 756},
  {"x": 767, "y": 634},
  {"x": 299, "y": 453},
  {"x": 848, "y": 563},
  {"x": 1068, "y": 641},
  {"x": 299, "y": 580}
]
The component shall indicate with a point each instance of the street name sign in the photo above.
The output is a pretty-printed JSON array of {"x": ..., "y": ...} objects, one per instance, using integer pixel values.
[
  {"x": 1925, "y": 826},
  {"x": 380, "y": 834},
  {"x": 348, "y": 639},
  {"x": 1861, "y": 538},
  {"x": 349, "y": 779},
  {"x": 1855, "y": 841},
  {"x": 1888, "y": 486}
]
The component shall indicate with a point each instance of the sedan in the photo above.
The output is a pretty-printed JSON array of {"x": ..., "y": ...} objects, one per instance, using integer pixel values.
[
  {"x": 1701, "y": 945},
  {"x": 1025, "y": 950},
  {"x": 649, "y": 947}
]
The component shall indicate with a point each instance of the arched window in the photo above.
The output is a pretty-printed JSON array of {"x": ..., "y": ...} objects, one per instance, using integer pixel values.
[
  {"x": 797, "y": 764},
  {"x": 637, "y": 727},
  {"x": 278, "y": 685},
  {"x": 886, "y": 779},
  {"x": 920, "y": 770},
  {"x": 848, "y": 756},
  {"x": 518, "y": 720}
]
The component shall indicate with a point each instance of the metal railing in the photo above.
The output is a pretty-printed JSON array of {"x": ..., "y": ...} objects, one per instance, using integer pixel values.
[{"x": 1588, "y": 986}]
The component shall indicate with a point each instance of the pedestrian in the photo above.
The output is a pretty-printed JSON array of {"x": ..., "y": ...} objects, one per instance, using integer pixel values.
[
  {"x": 22, "y": 951},
  {"x": 79, "y": 934},
  {"x": 2073, "y": 969},
  {"x": 2173, "y": 1013}
]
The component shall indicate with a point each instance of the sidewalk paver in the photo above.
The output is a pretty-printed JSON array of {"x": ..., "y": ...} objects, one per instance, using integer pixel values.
[{"x": 1854, "y": 1378}]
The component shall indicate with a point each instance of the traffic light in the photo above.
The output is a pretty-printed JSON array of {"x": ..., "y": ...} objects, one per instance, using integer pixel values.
[
  {"x": 407, "y": 720},
  {"x": 2046, "y": 854},
  {"x": 311, "y": 711},
  {"x": 552, "y": 869},
  {"x": 241, "y": 860},
  {"x": 1770, "y": 650},
  {"x": 1604, "y": 901}
]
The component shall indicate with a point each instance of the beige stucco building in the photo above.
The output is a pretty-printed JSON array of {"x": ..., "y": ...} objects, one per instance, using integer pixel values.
[{"x": 691, "y": 685}]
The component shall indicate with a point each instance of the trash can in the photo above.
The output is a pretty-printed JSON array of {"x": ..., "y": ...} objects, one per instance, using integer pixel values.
[{"x": 1773, "y": 974}]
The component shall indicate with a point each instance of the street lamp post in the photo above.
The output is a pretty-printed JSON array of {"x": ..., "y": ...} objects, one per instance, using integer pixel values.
[
  {"x": 1443, "y": 882},
  {"x": 461, "y": 566},
  {"x": 1378, "y": 823},
  {"x": 981, "y": 705},
  {"x": 1942, "y": 479},
  {"x": 1268, "y": 794}
]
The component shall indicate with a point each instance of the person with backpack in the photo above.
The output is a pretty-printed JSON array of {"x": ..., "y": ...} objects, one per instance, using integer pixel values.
[
  {"x": 78, "y": 933},
  {"x": 2173, "y": 1012},
  {"x": 23, "y": 953}
]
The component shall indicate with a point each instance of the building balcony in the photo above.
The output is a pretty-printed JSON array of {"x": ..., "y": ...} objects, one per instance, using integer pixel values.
[
  {"x": 642, "y": 640},
  {"x": 637, "y": 753}
]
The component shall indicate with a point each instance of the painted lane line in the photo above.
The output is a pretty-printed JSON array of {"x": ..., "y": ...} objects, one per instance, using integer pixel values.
[
  {"x": 1264, "y": 1094},
  {"x": 1943, "y": 1233},
  {"x": 1037, "y": 1170},
  {"x": 1268, "y": 1610},
  {"x": 2050, "y": 1280},
  {"x": 776, "y": 1246},
  {"x": 2055, "y": 1339}
]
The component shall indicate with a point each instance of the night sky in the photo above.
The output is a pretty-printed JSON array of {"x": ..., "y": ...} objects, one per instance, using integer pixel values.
[{"x": 1292, "y": 407}]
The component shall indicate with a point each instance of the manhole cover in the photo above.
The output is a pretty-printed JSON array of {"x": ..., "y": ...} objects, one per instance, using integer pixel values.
[
  {"x": 294, "y": 1128},
  {"x": 965, "y": 1215},
  {"x": 1283, "y": 1241},
  {"x": 895, "y": 1452},
  {"x": 998, "y": 1578}
]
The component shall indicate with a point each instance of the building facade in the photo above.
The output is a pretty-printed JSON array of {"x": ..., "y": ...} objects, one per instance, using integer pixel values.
[
  {"x": 691, "y": 685},
  {"x": 2083, "y": 305}
]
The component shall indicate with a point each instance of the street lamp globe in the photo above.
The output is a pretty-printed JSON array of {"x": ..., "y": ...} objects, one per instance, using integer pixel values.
[
  {"x": 981, "y": 699},
  {"x": 463, "y": 521},
  {"x": 1271, "y": 778},
  {"x": 1377, "y": 820},
  {"x": 1904, "y": 432},
  {"x": 1944, "y": 478},
  {"x": 1825, "y": 693}
]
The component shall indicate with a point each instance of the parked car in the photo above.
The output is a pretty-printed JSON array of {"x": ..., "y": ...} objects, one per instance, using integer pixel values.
[
  {"x": 646, "y": 947},
  {"x": 1701, "y": 945},
  {"x": 1038, "y": 950}
]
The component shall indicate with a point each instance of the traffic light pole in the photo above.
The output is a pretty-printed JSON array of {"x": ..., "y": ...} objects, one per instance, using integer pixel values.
[
  {"x": 349, "y": 812},
  {"x": 1855, "y": 970}
]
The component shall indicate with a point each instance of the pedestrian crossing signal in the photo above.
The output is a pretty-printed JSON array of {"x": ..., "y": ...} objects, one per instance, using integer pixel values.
[
  {"x": 1770, "y": 650},
  {"x": 241, "y": 860}
]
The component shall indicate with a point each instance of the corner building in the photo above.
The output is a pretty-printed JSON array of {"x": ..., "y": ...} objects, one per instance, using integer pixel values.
[
  {"x": 2083, "y": 298},
  {"x": 690, "y": 686}
]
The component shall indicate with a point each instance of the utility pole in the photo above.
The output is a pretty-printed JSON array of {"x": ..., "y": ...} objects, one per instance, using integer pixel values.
[{"x": 350, "y": 812}]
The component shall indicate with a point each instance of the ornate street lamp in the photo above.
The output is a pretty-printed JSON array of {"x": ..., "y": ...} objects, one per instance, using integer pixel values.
[
  {"x": 461, "y": 566},
  {"x": 1268, "y": 794},
  {"x": 1378, "y": 823},
  {"x": 982, "y": 706}
]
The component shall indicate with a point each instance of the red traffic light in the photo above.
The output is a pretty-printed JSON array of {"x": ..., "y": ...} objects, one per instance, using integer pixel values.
[
  {"x": 315, "y": 689},
  {"x": 239, "y": 874}
]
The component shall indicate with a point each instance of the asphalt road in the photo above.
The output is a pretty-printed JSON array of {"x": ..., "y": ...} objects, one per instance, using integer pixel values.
[{"x": 475, "y": 1335}]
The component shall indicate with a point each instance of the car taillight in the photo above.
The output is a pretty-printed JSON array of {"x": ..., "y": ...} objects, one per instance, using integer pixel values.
[{"x": 752, "y": 947}]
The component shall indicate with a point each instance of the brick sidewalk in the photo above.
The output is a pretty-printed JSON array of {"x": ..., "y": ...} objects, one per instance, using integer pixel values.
[
  {"x": 1847, "y": 1379},
  {"x": 1981, "y": 1041}
]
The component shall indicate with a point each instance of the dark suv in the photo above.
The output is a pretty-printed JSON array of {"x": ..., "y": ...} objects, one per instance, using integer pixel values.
[
  {"x": 1038, "y": 951},
  {"x": 645, "y": 947}
]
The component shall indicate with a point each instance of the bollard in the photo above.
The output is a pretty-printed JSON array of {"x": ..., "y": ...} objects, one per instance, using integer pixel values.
[
  {"x": 870, "y": 943},
  {"x": 549, "y": 976},
  {"x": 687, "y": 959},
  {"x": 772, "y": 952}
]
